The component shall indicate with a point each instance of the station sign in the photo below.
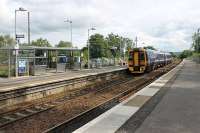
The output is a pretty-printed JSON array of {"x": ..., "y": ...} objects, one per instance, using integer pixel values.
[
  {"x": 20, "y": 36},
  {"x": 22, "y": 66}
]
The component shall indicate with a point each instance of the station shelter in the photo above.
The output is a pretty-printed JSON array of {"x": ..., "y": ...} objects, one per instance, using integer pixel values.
[{"x": 31, "y": 60}]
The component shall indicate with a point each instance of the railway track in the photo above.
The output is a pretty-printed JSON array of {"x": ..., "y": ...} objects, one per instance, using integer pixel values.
[
  {"x": 83, "y": 118},
  {"x": 16, "y": 115},
  {"x": 118, "y": 90},
  {"x": 71, "y": 124},
  {"x": 28, "y": 94},
  {"x": 39, "y": 88}
]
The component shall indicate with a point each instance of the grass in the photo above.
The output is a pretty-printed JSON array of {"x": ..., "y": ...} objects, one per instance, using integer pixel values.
[{"x": 3, "y": 71}]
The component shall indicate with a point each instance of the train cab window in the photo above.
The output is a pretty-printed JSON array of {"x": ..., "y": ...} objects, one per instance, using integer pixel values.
[
  {"x": 130, "y": 56},
  {"x": 141, "y": 55}
]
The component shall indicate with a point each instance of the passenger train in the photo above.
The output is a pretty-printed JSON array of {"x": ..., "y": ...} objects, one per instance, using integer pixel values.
[{"x": 145, "y": 60}]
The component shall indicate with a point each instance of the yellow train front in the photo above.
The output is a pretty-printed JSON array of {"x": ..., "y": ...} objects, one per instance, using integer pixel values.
[
  {"x": 142, "y": 60},
  {"x": 137, "y": 62}
]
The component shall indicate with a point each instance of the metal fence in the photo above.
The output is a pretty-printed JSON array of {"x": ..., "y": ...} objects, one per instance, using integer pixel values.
[
  {"x": 34, "y": 61},
  {"x": 10, "y": 59},
  {"x": 103, "y": 62},
  {"x": 4, "y": 63}
]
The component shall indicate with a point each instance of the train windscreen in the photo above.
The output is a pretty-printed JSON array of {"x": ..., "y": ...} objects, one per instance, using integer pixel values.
[
  {"x": 130, "y": 56},
  {"x": 141, "y": 55}
]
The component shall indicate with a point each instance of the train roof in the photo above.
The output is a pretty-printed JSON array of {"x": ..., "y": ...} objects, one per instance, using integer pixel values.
[
  {"x": 150, "y": 50},
  {"x": 138, "y": 49}
]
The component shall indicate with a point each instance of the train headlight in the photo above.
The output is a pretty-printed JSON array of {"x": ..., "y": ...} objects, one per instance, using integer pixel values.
[{"x": 131, "y": 68}]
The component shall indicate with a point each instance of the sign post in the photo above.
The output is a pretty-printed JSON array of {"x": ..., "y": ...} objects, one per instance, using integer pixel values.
[{"x": 16, "y": 60}]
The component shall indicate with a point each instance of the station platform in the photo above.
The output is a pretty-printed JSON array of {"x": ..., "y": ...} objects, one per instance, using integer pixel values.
[
  {"x": 168, "y": 105},
  {"x": 22, "y": 82}
]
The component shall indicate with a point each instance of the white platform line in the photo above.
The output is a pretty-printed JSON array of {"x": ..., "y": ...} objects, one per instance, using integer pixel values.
[
  {"x": 148, "y": 91},
  {"x": 158, "y": 84},
  {"x": 110, "y": 121}
]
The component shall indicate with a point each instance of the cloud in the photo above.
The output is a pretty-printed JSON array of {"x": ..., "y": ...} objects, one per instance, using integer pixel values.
[{"x": 167, "y": 25}]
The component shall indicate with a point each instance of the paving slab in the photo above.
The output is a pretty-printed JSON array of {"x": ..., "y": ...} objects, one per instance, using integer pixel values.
[{"x": 178, "y": 111}]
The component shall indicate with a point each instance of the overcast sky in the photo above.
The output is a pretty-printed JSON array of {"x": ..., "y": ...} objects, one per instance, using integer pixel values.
[{"x": 165, "y": 24}]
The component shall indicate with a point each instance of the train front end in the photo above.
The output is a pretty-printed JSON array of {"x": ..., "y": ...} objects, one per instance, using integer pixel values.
[{"x": 137, "y": 60}]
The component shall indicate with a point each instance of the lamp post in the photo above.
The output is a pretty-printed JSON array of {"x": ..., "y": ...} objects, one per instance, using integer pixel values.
[
  {"x": 17, "y": 45},
  {"x": 70, "y": 22},
  {"x": 90, "y": 29},
  {"x": 28, "y": 15}
]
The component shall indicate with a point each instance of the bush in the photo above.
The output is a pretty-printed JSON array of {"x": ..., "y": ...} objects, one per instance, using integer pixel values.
[
  {"x": 3, "y": 73},
  {"x": 196, "y": 57},
  {"x": 185, "y": 54}
]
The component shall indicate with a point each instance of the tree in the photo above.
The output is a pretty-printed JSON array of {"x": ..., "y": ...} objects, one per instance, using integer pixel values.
[
  {"x": 41, "y": 43},
  {"x": 120, "y": 43},
  {"x": 185, "y": 54},
  {"x": 85, "y": 54},
  {"x": 173, "y": 54},
  {"x": 64, "y": 44},
  {"x": 2, "y": 42},
  {"x": 149, "y": 47},
  {"x": 114, "y": 41},
  {"x": 102, "y": 47},
  {"x": 129, "y": 43},
  {"x": 196, "y": 41},
  {"x": 97, "y": 46},
  {"x": 6, "y": 40}
]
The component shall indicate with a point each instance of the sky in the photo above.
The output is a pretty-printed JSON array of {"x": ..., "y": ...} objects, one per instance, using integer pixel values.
[{"x": 167, "y": 25}]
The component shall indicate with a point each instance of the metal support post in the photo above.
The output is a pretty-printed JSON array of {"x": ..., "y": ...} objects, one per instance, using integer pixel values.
[
  {"x": 34, "y": 63},
  {"x": 88, "y": 49},
  {"x": 9, "y": 63},
  {"x": 56, "y": 61}
]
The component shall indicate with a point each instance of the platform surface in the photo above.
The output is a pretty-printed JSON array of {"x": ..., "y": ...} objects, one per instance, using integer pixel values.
[
  {"x": 17, "y": 83},
  {"x": 179, "y": 109}
]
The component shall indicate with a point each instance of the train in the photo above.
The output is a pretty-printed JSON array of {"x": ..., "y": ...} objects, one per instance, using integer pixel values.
[{"x": 145, "y": 60}]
